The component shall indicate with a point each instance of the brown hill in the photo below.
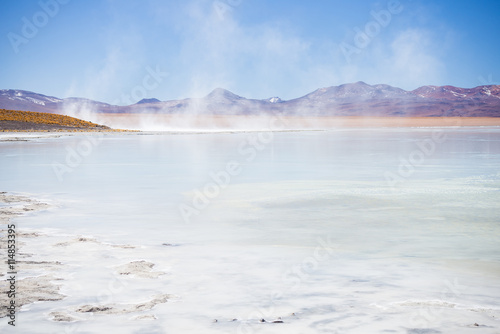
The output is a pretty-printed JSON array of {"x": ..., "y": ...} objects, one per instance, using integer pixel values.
[{"x": 15, "y": 120}]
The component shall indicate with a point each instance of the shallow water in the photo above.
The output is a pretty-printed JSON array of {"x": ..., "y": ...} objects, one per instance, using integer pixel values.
[{"x": 351, "y": 231}]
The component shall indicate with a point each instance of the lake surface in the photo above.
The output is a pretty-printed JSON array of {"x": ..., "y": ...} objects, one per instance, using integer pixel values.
[{"x": 344, "y": 231}]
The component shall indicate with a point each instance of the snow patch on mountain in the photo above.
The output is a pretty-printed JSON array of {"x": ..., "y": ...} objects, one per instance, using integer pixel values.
[{"x": 457, "y": 94}]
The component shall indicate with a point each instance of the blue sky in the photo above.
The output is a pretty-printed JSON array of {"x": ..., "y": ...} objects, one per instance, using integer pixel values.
[{"x": 118, "y": 51}]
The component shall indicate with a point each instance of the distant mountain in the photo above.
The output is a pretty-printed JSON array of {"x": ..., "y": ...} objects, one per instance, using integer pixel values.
[
  {"x": 353, "y": 99},
  {"x": 143, "y": 101},
  {"x": 28, "y": 101},
  {"x": 358, "y": 99}
]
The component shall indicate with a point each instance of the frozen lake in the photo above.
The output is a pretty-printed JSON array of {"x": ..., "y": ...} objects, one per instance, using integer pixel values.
[{"x": 344, "y": 231}]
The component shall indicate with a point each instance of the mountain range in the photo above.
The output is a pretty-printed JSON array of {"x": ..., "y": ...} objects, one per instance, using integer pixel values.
[{"x": 354, "y": 99}]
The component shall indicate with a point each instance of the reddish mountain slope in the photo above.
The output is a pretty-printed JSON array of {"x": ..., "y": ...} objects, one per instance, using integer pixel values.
[{"x": 356, "y": 99}]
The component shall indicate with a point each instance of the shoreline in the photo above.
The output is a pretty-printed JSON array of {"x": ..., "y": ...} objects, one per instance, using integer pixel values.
[
  {"x": 201, "y": 124},
  {"x": 176, "y": 123},
  {"x": 6, "y": 137},
  {"x": 259, "y": 125}
]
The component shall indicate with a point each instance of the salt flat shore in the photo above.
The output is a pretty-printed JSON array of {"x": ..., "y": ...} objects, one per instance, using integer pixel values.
[
  {"x": 27, "y": 289},
  {"x": 144, "y": 124},
  {"x": 155, "y": 122},
  {"x": 42, "y": 280}
]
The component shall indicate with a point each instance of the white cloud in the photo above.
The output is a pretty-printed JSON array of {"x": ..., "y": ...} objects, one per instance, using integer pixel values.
[
  {"x": 258, "y": 60},
  {"x": 408, "y": 60},
  {"x": 413, "y": 60},
  {"x": 273, "y": 59},
  {"x": 220, "y": 51}
]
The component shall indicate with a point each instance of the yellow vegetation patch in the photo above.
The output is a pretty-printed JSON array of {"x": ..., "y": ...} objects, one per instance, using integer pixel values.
[{"x": 45, "y": 118}]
